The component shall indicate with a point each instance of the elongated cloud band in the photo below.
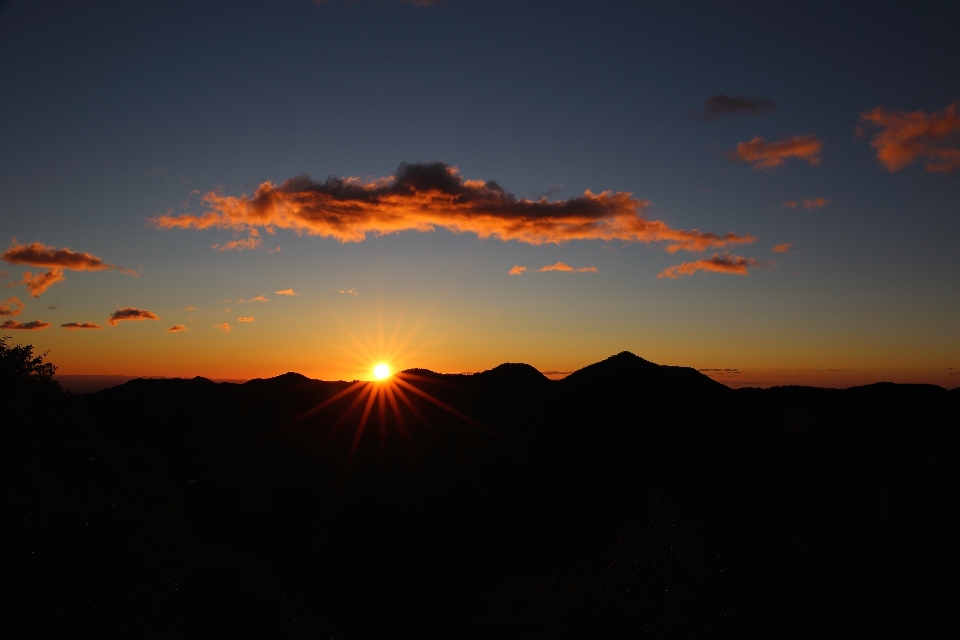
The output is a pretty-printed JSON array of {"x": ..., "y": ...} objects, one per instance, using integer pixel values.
[
  {"x": 33, "y": 325},
  {"x": 766, "y": 155},
  {"x": 905, "y": 137},
  {"x": 812, "y": 203},
  {"x": 130, "y": 313},
  {"x": 177, "y": 328},
  {"x": 76, "y": 326},
  {"x": 722, "y": 104},
  {"x": 425, "y": 196},
  {"x": 40, "y": 255},
  {"x": 717, "y": 263},
  {"x": 11, "y": 307},
  {"x": 560, "y": 266}
]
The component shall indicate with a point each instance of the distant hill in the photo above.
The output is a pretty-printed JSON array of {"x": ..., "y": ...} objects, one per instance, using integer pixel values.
[{"x": 628, "y": 498}]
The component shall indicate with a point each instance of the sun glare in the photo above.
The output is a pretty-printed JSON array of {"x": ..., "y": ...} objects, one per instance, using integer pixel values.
[{"x": 381, "y": 371}]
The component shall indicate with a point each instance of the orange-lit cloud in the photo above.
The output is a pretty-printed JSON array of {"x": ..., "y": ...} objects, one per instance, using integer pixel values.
[
  {"x": 783, "y": 248},
  {"x": 223, "y": 326},
  {"x": 40, "y": 255},
  {"x": 11, "y": 307},
  {"x": 37, "y": 284},
  {"x": 247, "y": 319},
  {"x": 260, "y": 298},
  {"x": 189, "y": 308},
  {"x": 812, "y": 203},
  {"x": 766, "y": 155},
  {"x": 426, "y": 196},
  {"x": 130, "y": 313},
  {"x": 725, "y": 263},
  {"x": 34, "y": 325},
  {"x": 253, "y": 242},
  {"x": 176, "y": 328},
  {"x": 905, "y": 137},
  {"x": 351, "y": 291},
  {"x": 517, "y": 270},
  {"x": 76, "y": 326},
  {"x": 722, "y": 105},
  {"x": 286, "y": 292},
  {"x": 559, "y": 266}
]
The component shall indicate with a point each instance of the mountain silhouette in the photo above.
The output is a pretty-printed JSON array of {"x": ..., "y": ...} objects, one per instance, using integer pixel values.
[{"x": 628, "y": 498}]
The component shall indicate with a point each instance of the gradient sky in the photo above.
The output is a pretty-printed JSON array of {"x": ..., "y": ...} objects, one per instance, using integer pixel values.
[{"x": 836, "y": 132}]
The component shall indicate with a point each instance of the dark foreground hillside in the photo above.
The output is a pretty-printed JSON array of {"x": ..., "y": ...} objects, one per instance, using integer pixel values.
[{"x": 627, "y": 500}]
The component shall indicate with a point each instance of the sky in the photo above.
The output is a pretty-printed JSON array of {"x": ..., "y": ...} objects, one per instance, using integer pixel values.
[{"x": 768, "y": 192}]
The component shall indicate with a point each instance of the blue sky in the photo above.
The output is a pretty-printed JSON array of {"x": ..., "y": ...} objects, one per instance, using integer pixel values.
[{"x": 114, "y": 113}]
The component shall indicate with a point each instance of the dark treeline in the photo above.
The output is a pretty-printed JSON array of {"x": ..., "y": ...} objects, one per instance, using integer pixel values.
[{"x": 626, "y": 500}]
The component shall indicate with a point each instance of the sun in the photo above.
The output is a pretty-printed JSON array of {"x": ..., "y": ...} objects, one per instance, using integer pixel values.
[{"x": 381, "y": 371}]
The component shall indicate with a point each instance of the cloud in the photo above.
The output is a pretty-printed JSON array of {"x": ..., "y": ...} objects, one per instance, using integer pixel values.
[
  {"x": 517, "y": 270},
  {"x": 559, "y": 266},
  {"x": 55, "y": 260},
  {"x": 247, "y": 319},
  {"x": 11, "y": 307},
  {"x": 40, "y": 255},
  {"x": 813, "y": 203},
  {"x": 783, "y": 248},
  {"x": 34, "y": 325},
  {"x": 351, "y": 291},
  {"x": 722, "y": 105},
  {"x": 176, "y": 328},
  {"x": 76, "y": 326},
  {"x": 37, "y": 284},
  {"x": 905, "y": 137},
  {"x": 223, "y": 326},
  {"x": 260, "y": 298},
  {"x": 766, "y": 155},
  {"x": 53, "y": 307},
  {"x": 189, "y": 308},
  {"x": 130, "y": 313},
  {"x": 717, "y": 263},
  {"x": 286, "y": 292},
  {"x": 253, "y": 242},
  {"x": 426, "y": 196}
]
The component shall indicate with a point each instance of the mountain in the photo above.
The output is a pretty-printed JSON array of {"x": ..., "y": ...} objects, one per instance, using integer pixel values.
[{"x": 628, "y": 498}]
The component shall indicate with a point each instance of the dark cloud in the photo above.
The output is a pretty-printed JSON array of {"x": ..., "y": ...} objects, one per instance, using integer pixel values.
[
  {"x": 722, "y": 105},
  {"x": 75, "y": 326},
  {"x": 34, "y": 325},
  {"x": 130, "y": 313},
  {"x": 426, "y": 196}
]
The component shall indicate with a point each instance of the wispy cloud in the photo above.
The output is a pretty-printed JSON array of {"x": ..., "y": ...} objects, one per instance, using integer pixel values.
[
  {"x": 245, "y": 319},
  {"x": 11, "y": 307},
  {"x": 812, "y": 203},
  {"x": 351, "y": 291},
  {"x": 34, "y": 325},
  {"x": 53, "y": 307},
  {"x": 189, "y": 308},
  {"x": 41, "y": 255},
  {"x": 426, "y": 196},
  {"x": 904, "y": 137},
  {"x": 766, "y": 155},
  {"x": 177, "y": 328},
  {"x": 722, "y": 105},
  {"x": 717, "y": 263},
  {"x": 76, "y": 326},
  {"x": 783, "y": 248},
  {"x": 130, "y": 313},
  {"x": 560, "y": 266},
  {"x": 260, "y": 298},
  {"x": 37, "y": 284},
  {"x": 517, "y": 270},
  {"x": 223, "y": 326},
  {"x": 286, "y": 292}
]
